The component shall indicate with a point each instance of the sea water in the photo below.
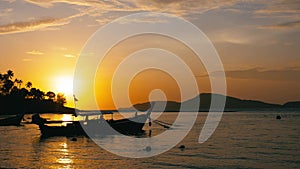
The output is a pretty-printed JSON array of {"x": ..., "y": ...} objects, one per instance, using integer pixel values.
[{"x": 242, "y": 140}]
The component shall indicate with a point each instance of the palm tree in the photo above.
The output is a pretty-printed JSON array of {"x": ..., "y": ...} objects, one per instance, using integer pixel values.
[
  {"x": 1, "y": 83},
  {"x": 61, "y": 99},
  {"x": 37, "y": 94},
  {"x": 40, "y": 94},
  {"x": 28, "y": 85},
  {"x": 50, "y": 95},
  {"x": 6, "y": 83},
  {"x": 9, "y": 74},
  {"x": 24, "y": 93},
  {"x": 19, "y": 82},
  {"x": 7, "y": 86}
]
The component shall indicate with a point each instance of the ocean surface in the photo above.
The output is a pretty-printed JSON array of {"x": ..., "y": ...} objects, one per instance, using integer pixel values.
[{"x": 242, "y": 140}]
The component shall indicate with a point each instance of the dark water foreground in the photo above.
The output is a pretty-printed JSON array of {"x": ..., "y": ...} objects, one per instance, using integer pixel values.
[{"x": 242, "y": 140}]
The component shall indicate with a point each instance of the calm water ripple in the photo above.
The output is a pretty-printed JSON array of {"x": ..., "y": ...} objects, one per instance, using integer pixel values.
[{"x": 242, "y": 140}]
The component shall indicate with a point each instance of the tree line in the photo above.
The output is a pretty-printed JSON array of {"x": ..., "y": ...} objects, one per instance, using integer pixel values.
[{"x": 15, "y": 96}]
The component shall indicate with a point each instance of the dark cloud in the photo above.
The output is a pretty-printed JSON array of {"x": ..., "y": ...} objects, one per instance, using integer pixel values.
[
  {"x": 285, "y": 25},
  {"x": 288, "y": 74}
]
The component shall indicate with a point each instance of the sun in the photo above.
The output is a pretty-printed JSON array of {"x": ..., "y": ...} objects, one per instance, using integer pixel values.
[{"x": 64, "y": 84}]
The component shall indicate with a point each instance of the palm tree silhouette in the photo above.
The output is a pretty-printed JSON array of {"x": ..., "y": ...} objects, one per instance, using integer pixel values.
[
  {"x": 28, "y": 85},
  {"x": 9, "y": 74},
  {"x": 61, "y": 99},
  {"x": 19, "y": 82},
  {"x": 50, "y": 95},
  {"x": 37, "y": 93}
]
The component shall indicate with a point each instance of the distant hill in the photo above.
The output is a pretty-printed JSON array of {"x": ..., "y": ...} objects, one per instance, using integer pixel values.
[
  {"x": 292, "y": 105},
  {"x": 171, "y": 106},
  {"x": 232, "y": 104}
]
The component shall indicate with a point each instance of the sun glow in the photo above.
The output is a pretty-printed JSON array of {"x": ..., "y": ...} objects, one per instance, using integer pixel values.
[
  {"x": 67, "y": 117},
  {"x": 64, "y": 84}
]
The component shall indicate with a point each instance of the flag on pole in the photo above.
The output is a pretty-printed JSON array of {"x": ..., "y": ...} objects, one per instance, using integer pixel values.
[{"x": 75, "y": 99}]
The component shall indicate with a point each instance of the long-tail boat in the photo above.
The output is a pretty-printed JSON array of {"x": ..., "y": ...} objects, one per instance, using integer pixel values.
[
  {"x": 92, "y": 127},
  {"x": 14, "y": 120}
]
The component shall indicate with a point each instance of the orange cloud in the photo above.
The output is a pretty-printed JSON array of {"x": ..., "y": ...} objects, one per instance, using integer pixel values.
[
  {"x": 18, "y": 27},
  {"x": 177, "y": 7},
  {"x": 93, "y": 8},
  {"x": 93, "y": 3},
  {"x": 69, "y": 56},
  {"x": 35, "y": 52}
]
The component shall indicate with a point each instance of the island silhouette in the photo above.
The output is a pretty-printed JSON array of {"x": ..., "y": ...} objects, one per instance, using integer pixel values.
[
  {"x": 15, "y": 99},
  {"x": 232, "y": 104}
]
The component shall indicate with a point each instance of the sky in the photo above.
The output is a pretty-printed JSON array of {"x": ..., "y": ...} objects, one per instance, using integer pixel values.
[{"x": 257, "y": 41}]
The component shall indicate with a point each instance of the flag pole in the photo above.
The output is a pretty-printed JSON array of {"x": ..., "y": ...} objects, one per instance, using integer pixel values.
[{"x": 75, "y": 100}]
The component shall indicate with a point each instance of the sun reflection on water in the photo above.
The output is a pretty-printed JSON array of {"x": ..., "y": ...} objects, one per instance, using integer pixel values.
[{"x": 64, "y": 156}]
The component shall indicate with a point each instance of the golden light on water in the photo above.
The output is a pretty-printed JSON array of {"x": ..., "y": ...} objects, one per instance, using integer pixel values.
[
  {"x": 64, "y": 158},
  {"x": 67, "y": 117}
]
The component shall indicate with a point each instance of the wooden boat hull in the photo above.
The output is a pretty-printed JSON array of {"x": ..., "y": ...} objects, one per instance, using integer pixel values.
[
  {"x": 69, "y": 130},
  {"x": 131, "y": 126},
  {"x": 99, "y": 127},
  {"x": 12, "y": 121}
]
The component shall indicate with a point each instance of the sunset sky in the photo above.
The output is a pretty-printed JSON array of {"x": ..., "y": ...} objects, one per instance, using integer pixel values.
[{"x": 257, "y": 41}]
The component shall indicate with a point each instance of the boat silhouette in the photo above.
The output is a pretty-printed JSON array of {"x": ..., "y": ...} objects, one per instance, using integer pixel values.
[
  {"x": 12, "y": 121},
  {"x": 92, "y": 127}
]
